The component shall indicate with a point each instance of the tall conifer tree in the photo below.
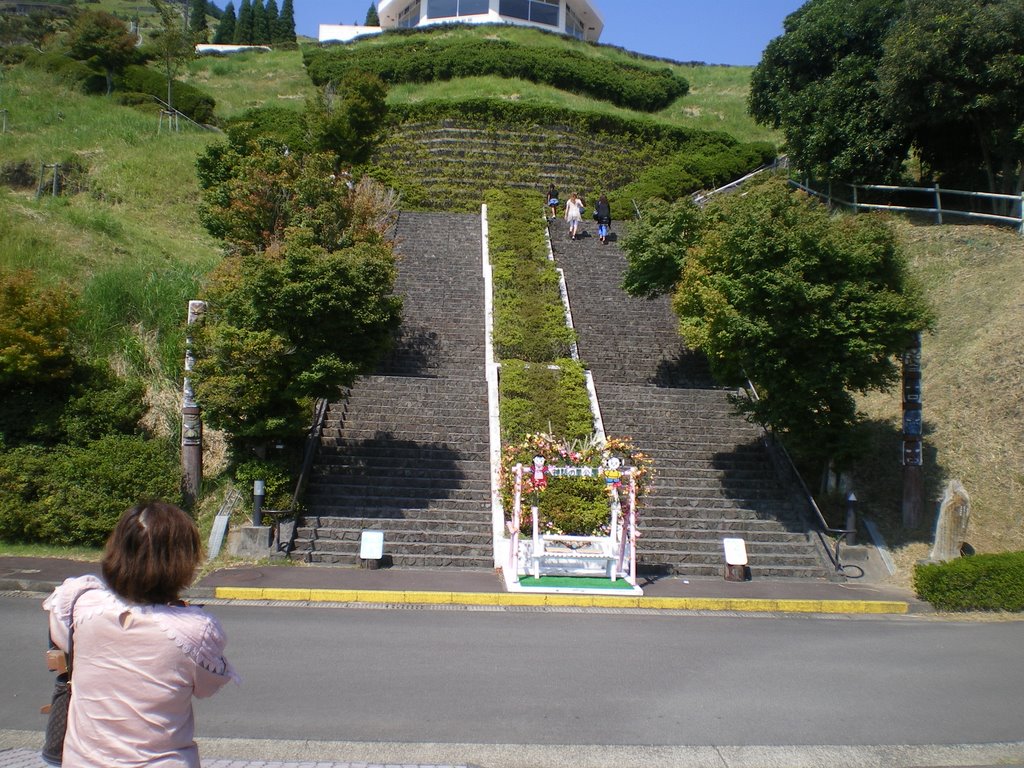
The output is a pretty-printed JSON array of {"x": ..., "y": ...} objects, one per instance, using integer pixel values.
[
  {"x": 225, "y": 34},
  {"x": 273, "y": 22},
  {"x": 372, "y": 19},
  {"x": 197, "y": 19},
  {"x": 243, "y": 27},
  {"x": 287, "y": 22},
  {"x": 260, "y": 28}
]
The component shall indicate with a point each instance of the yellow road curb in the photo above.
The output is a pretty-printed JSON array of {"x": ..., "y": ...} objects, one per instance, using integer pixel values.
[{"x": 751, "y": 605}]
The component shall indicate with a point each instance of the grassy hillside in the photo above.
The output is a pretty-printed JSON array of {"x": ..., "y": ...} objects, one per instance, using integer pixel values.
[
  {"x": 972, "y": 378},
  {"x": 127, "y": 235}
]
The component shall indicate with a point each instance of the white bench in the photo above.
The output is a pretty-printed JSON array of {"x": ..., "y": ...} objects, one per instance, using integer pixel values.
[{"x": 579, "y": 551}]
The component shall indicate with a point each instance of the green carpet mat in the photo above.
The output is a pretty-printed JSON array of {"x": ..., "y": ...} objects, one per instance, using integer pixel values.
[{"x": 574, "y": 582}]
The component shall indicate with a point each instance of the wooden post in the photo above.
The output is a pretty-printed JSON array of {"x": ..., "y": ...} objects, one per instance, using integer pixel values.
[
  {"x": 913, "y": 454},
  {"x": 191, "y": 419}
]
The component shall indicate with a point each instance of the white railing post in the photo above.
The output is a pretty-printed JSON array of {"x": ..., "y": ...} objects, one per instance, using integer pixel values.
[
  {"x": 517, "y": 505},
  {"x": 938, "y": 205}
]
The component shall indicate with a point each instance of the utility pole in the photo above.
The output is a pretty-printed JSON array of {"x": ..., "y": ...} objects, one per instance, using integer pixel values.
[
  {"x": 191, "y": 418},
  {"x": 913, "y": 447}
]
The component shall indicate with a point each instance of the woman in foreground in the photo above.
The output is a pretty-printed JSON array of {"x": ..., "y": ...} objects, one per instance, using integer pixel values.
[{"x": 140, "y": 653}]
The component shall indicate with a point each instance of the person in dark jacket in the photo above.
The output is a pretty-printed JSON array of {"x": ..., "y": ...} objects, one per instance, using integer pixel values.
[
  {"x": 603, "y": 217},
  {"x": 551, "y": 200}
]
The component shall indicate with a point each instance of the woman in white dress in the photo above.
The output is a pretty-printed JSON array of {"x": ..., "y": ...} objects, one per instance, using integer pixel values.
[{"x": 574, "y": 213}]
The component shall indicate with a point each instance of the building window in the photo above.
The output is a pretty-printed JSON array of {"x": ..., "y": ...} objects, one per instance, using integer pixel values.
[
  {"x": 444, "y": 9},
  {"x": 537, "y": 11},
  {"x": 573, "y": 23},
  {"x": 410, "y": 16}
]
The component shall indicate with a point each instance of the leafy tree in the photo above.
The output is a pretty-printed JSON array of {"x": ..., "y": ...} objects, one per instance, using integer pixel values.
[
  {"x": 953, "y": 74},
  {"x": 348, "y": 118},
  {"x": 225, "y": 33},
  {"x": 256, "y": 197},
  {"x": 197, "y": 20},
  {"x": 173, "y": 46},
  {"x": 34, "y": 28},
  {"x": 810, "y": 307},
  {"x": 289, "y": 325},
  {"x": 286, "y": 23},
  {"x": 658, "y": 246},
  {"x": 35, "y": 343},
  {"x": 818, "y": 83},
  {"x": 102, "y": 38},
  {"x": 372, "y": 19},
  {"x": 855, "y": 85},
  {"x": 243, "y": 27}
]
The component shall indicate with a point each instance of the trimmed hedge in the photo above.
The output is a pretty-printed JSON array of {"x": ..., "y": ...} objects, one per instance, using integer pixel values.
[
  {"x": 689, "y": 171},
  {"x": 75, "y": 73},
  {"x": 427, "y": 59},
  {"x": 188, "y": 99},
  {"x": 975, "y": 583},
  {"x": 502, "y": 112}
]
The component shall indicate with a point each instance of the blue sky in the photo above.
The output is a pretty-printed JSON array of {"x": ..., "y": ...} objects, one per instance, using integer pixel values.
[{"x": 712, "y": 31}]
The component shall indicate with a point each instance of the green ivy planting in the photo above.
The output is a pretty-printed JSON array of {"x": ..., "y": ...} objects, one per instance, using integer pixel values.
[
  {"x": 976, "y": 583},
  {"x": 424, "y": 59},
  {"x": 540, "y": 398},
  {"x": 529, "y": 320}
]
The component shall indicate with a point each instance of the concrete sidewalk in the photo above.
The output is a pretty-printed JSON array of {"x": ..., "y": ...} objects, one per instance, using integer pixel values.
[{"x": 323, "y": 584}]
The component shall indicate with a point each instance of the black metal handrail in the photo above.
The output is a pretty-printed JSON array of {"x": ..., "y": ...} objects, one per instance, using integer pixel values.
[{"x": 774, "y": 445}]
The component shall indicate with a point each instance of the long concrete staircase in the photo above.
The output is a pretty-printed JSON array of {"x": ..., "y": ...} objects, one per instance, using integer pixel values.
[
  {"x": 406, "y": 451},
  {"x": 713, "y": 475}
]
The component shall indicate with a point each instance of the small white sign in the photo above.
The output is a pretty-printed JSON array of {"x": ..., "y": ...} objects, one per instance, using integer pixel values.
[
  {"x": 735, "y": 551},
  {"x": 371, "y": 545}
]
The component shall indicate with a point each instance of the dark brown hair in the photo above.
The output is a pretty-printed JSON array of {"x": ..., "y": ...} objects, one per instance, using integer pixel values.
[{"x": 152, "y": 553}]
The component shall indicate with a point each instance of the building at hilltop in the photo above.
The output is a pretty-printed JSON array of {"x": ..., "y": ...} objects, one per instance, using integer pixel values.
[{"x": 576, "y": 18}]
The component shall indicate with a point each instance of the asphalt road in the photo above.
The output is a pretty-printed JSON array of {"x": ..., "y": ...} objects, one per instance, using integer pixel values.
[{"x": 547, "y": 678}]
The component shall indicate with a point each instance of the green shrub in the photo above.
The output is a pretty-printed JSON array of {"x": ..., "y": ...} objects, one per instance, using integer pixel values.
[
  {"x": 285, "y": 126},
  {"x": 106, "y": 405},
  {"x": 276, "y": 477},
  {"x": 976, "y": 583},
  {"x": 77, "y": 74},
  {"x": 74, "y": 494},
  {"x": 422, "y": 59},
  {"x": 688, "y": 171},
  {"x": 23, "y": 472},
  {"x": 188, "y": 99}
]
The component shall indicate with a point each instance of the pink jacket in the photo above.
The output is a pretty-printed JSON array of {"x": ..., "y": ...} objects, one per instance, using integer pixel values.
[{"x": 136, "y": 669}]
